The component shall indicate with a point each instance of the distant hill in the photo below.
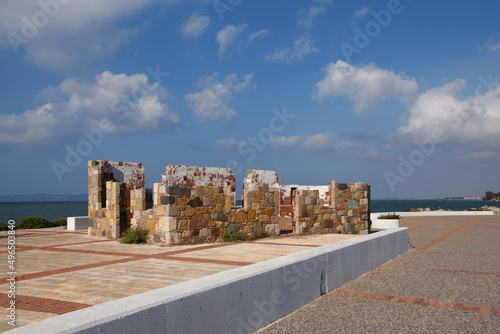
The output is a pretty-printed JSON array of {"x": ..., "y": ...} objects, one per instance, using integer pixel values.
[{"x": 42, "y": 197}]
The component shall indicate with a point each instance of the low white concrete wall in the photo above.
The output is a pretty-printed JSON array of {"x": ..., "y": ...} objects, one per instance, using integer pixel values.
[
  {"x": 384, "y": 224},
  {"x": 79, "y": 223},
  {"x": 375, "y": 215},
  {"x": 235, "y": 301}
]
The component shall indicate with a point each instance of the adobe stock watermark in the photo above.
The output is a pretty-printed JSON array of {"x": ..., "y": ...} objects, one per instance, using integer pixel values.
[
  {"x": 426, "y": 148},
  {"x": 372, "y": 29},
  {"x": 264, "y": 137},
  {"x": 93, "y": 138},
  {"x": 223, "y": 6},
  {"x": 30, "y": 27}
]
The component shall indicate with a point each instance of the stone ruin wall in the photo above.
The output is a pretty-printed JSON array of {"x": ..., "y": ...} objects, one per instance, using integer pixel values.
[
  {"x": 197, "y": 204},
  {"x": 110, "y": 188}
]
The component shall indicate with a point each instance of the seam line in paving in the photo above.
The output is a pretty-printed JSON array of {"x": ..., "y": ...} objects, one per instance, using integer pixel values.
[
  {"x": 39, "y": 274},
  {"x": 130, "y": 257},
  {"x": 445, "y": 236},
  {"x": 418, "y": 301},
  {"x": 198, "y": 260},
  {"x": 461, "y": 254},
  {"x": 45, "y": 305},
  {"x": 469, "y": 242},
  {"x": 481, "y": 273},
  {"x": 283, "y": 244},
  {"x": 81, "y": 243}
]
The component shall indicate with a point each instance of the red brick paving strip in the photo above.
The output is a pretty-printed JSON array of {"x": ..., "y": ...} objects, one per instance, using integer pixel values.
[
  {"x": 469, "y": 242},
  {"x": 37, "y": 304},
  {"x": 441, "y": 270},
  {"x": 39, "y": 274},
  {"x": 131, "y": 257},
  {"x": 461, "y": 254},
  {"x": 421, "y": 249},
  {"x": 418, "y": 301}
]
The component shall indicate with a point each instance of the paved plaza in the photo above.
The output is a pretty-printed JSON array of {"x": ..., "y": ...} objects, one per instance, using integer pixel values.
[
  {"x": 450, "y": 282},
  {"x": 60, "y": 271}
]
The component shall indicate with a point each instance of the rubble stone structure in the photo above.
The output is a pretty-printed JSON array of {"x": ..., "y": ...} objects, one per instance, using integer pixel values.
[{"x": 198, "y": 204}]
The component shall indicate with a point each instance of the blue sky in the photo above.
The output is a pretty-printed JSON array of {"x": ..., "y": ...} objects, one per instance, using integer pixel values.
[{"x": 404, "y": 95}]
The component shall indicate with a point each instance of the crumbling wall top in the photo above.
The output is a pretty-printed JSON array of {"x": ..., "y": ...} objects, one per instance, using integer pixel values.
[
  {"x": 191, "y": 176},
  {"x": 260, "y": 177}
]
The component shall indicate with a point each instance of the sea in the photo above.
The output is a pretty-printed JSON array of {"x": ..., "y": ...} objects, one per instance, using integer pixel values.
[{"x": 54, "y": 210}]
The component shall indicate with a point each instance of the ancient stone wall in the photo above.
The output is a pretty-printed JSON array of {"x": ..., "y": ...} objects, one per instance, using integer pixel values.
[
  {"x": 196, "y": 204},
  {"x": 347, "y": 211},
  {"x": 109, "y": 187}
]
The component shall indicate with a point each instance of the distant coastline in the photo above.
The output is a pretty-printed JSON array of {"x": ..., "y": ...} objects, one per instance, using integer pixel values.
[
  {"x": 61, "y": 209},
  {"x": 43, "y": 197}
]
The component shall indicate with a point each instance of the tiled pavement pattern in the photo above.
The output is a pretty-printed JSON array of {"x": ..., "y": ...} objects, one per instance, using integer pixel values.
[
  {"x": 61, "y": 271},
  {"x": 450, "y": 282}
]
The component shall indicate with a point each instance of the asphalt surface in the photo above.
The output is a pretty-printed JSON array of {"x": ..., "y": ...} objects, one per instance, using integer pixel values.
[{"x": 450, "y": 282}]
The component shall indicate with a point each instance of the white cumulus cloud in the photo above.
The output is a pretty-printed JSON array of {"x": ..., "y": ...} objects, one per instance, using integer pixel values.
[
  {"x": 64, "y": 36},
  {"x": 490, "y": 45},
  {"x": 361, "y": 13},
  {"x": 213, "y": 102},
  {"x": 301, "y": 47},
  {"x": 229, "y": 36},
  {"x": 260, "y": 33},
  {"x": 473, "y": 121},
  {"x": 229, "y": 143},
  {"x": 365, "y": 86},
  {"x": 125, "y": 104},
  {"x": 195, "y": 25},
  {"x": 325, "y": 142}
]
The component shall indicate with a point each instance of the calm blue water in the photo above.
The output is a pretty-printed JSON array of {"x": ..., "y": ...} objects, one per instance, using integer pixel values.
[
  {"x": 49, "y": 210},
  {"x": 54, "y": 210}
]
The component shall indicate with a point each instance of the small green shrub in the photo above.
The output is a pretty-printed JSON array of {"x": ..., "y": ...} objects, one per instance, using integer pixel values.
[
  {"x": 35, "y": 222},
  {"x": 3, "y": 227},
  {"x": 235, "y": 236},
  {"x": 137, "y": 235},
  {"x": 389, "y": 216},
  {"x": 61, "y": 222}
]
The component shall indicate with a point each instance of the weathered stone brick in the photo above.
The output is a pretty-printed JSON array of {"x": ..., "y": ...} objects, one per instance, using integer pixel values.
[
  {"x": 178, "y": 191},
  {"x": 270, "y": 211},
  {"x": 182, "y": 224},
  {"x": 167, "y": 200},
  {"x": 240, "y": 217},
  {"x": 200, "y": 191},
  {"x": 213, "y": 190},
  {"x": 197, "y": 222},
  {"x": 231, "y": 228},
  {"x": 189, "y": 212},
  {"x": 195, "y": 202},
  {"x": 222, "y": 217},
  {"x": 218, "y": 199},
  {"x": 257, "y": 227}
]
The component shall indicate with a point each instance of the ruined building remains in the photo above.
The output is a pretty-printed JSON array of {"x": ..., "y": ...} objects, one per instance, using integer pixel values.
[{"x": 198, "y": 204}]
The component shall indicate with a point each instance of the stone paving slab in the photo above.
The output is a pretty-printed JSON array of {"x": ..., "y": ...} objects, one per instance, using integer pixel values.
[
  {"x": 60, "y": 271},
  {"x": 439, "y": 286}
]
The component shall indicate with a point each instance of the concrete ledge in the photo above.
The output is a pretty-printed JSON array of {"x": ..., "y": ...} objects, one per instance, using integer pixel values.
[
  {"x": 79, "y": 223},
  {"x": 374, "y": 216},
  {"x": 240, "y": 300}
]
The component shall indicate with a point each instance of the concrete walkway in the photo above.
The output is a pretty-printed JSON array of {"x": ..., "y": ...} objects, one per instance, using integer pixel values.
[
  {"x": 450, "y": 282},
  {"x": 60, "y": 271}
]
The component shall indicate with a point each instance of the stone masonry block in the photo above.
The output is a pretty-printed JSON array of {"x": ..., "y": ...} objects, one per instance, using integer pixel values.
[
  {"x": 178, "y": 191},
  {"x": 167, "y": 200},
  {"x": 167, "y": 224}
]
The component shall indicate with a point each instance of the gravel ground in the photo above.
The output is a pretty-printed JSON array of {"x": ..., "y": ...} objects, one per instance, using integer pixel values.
[
  {"x": 338, "y": 314},
  {"x": 332, "y": 313}
]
